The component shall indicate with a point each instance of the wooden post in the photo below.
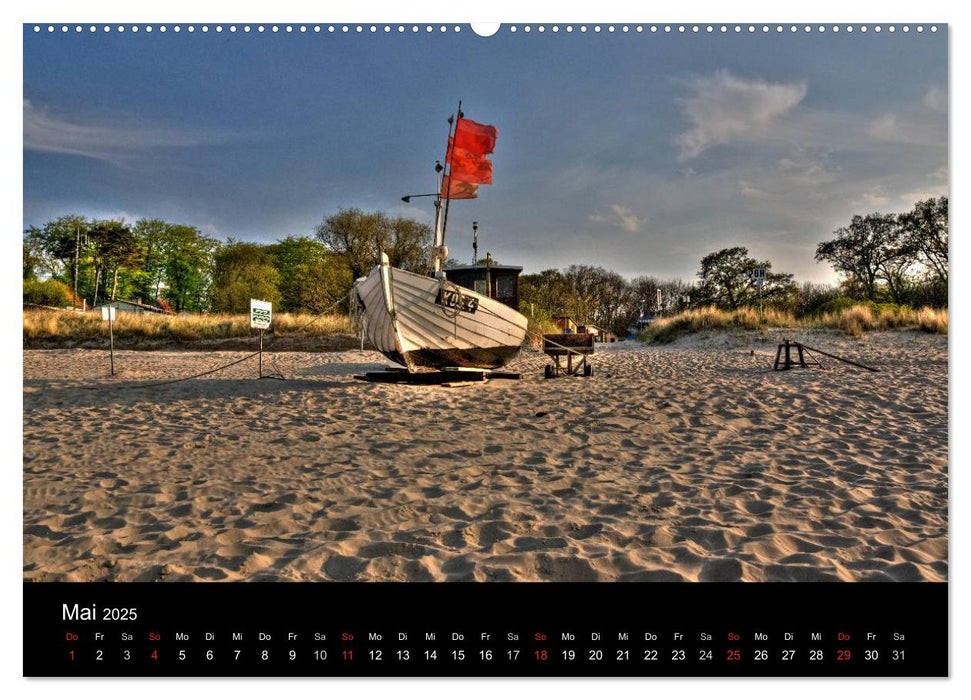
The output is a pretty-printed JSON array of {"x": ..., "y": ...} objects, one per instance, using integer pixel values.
[
  {"x": 261, "y": 353},
  {"x": 111, "y": 339}
]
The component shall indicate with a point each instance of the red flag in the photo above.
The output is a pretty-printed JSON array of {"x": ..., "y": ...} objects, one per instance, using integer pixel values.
[
  {"x": 475, "y": 137},
  {"x": 470, "y": 167},
  {"x": 456, "y": 189}
]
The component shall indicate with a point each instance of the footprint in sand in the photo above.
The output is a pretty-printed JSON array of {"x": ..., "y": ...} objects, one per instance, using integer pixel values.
[
  {"x": 532, "y": 544},
  {"x": 341, "y": 568},
  {"x": 453, "y": 539}
]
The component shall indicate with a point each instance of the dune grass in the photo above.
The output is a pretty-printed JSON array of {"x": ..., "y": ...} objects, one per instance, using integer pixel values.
[
  {"x": 854, "y": 321},
  {"x": 48, "y": 327}
]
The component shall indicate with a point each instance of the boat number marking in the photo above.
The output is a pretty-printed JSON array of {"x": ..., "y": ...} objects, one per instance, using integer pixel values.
[{"x": 451, "y": 299}]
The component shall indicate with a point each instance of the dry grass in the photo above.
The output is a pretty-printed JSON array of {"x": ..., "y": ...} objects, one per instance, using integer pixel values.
[
  {"x": 45, "y": 328},
  {"x": 854, "y": 321}
]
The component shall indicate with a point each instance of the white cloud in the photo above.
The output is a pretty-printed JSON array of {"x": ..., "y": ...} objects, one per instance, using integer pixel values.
[
  {"x": 51, "y": 134},
  {"x": 874, "y": 197},
  {"x": 747, "y": 189},
  {"x": 885, "y": 128},
  {"x": 936, "y": 99},
  {"x": 909, "y": 199},
  {"x": 804, "y": 169},
  {"x": 619, "y": 216},
  {"x": 725, "y": 109}
]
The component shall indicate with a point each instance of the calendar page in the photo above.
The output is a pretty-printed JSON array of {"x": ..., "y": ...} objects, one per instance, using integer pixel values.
[{"x": 527, "y": 349}]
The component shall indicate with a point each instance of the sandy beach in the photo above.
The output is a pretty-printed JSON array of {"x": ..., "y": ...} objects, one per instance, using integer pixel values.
[{"x": 688, "y": 462}]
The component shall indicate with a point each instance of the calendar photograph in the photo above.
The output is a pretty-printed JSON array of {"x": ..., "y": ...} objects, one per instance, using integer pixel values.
[{"x": 553, "y": 303}]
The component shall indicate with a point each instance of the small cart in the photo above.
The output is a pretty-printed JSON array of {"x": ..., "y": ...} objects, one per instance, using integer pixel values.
[{"x": 575, "y": 347}]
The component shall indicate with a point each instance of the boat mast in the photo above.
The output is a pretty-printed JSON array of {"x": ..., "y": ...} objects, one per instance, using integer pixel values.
[
  {"x": 439, "y": 234},
  {"x": 441, "y": 219}
]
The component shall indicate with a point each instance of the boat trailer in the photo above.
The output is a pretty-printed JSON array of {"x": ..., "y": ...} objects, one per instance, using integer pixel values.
[{"x": 570, "y": 346}]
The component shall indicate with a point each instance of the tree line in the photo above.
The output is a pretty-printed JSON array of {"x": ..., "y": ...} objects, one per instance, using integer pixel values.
[
  {"x": 895, "y": 258},
  {"x": 190, "y": 271},
  {"x": 881, "y": 258}
]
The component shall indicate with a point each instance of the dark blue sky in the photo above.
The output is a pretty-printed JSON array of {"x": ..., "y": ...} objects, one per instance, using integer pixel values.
[{"x": 639, "y": 152}]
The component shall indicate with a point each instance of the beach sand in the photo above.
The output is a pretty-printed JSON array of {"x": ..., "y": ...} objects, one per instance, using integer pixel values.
[{"x": 688, "y": 462}]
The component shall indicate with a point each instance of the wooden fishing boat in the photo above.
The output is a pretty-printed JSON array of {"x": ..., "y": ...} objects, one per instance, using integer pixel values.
[{"x": 427, "y": 321}]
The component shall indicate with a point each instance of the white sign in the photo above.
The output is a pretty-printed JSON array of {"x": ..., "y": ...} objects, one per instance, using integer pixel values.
[
  {"x": 107, "y": 313},
  {"x": 758, "y": 276},
  {"x": 260, "y": 313}
]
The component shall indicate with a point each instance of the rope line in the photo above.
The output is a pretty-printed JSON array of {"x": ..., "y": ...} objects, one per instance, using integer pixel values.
[{"x": 276, "y": 375}]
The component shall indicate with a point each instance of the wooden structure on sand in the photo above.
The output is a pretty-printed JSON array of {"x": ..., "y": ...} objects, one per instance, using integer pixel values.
[
  {"x": 572, "y": 346},
  {"x": 784, "y": 358}
]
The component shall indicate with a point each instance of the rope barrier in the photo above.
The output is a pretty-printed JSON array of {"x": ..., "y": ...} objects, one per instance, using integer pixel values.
[{"x": 277, "y": 375}]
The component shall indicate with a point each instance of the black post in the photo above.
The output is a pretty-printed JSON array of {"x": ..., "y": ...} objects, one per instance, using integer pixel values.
[
  {"x": 261, "y": 353},
  {"x": 489, "y": 275}
]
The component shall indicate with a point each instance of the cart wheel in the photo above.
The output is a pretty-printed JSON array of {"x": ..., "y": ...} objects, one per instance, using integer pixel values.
[
  {"x": 587, "y": 370},
  {"x": 548, "y": 371}
]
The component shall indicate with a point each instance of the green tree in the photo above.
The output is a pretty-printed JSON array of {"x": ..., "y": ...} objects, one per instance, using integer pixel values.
[
  {"x": 63, "y": 247},
  {"x": 546, "y": 290},
  {"x": 871, "y": 250},
  {"x": 47, "y": 293},
  {"x": 925, "y": 232},
  {"x": 242, "y": 271},
  {"x": 726, "y": 280},
  {"x": 598, "y": 296},
  {"x": 116, "y": 247},
  {"x": 360, "y": 237},
  {"x": 153, "y": 241},
  {"x": 311, "y": 277},
  {"x": 35, "y": 259},
  {"x": 104, "y": 252},
  {"x": 188, "y": 257}
]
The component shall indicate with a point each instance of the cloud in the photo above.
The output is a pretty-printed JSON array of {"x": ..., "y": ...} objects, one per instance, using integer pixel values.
[
  {"x": 936, "y": 99},
  {"x": 619, "y": 216},
  {"x": 110, "y": 142},
  {"x": 911, "y": 198},
  {"x": 885, "y": 128},
  {"x": 724, "y": 109},
  {"x": 747, "y": 189},
  {"x": 874, "y": 197},
  {"x": 805, "y": 169}
]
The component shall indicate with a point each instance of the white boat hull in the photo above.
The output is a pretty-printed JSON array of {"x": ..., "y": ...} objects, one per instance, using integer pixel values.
[{"x": 421, "y": 322}]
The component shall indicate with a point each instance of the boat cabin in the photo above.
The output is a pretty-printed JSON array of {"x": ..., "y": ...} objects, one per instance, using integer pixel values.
[{"x": 499, "y": 282}]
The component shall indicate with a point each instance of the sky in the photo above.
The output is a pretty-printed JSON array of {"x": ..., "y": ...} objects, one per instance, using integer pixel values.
[{"x": 639, "y": 152}]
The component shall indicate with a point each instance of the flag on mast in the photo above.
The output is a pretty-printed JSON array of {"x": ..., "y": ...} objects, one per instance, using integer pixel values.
[
  {"x": 456, "y": 189},
  {"x": 468, "y": 166},
  {"x": 475, "y": 137}
]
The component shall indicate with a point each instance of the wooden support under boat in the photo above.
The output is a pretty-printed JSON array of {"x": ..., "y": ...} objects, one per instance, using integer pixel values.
[{"x": 452, "y": 376}]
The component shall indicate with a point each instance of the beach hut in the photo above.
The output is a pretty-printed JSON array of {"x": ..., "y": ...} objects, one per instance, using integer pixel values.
[
  {"x": 137, "y": 307},
  {"x": 565, "y": 324},
  {"x": 600, "y": 335}
]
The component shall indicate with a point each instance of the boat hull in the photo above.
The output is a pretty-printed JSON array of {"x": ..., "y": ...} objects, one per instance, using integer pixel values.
[{"x": 421, "y": 322}]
